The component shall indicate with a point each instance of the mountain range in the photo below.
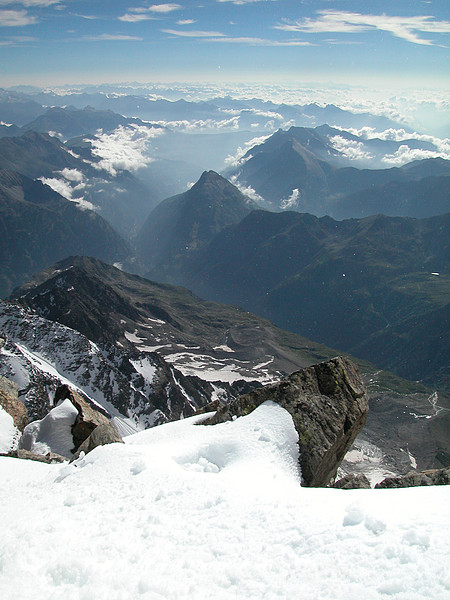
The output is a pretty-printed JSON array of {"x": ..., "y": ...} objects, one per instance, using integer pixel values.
[
  {"x": 306, "y": 170},
  {"x": 365, "y": 286},
  {"x": 122, "y": 199},
  {"x": 222, "y": 351},
  {"x": 373, "y": 285},
  {"x": 252, "y": 112}
]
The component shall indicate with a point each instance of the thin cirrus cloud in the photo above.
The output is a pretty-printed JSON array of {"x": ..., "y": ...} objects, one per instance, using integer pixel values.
[
  {"x": 246, "y": 1},
  {"x": 253, "y": 41},
  {"x": 27, "y": 3},
  {"x": 145, "y": 13},
  {"x": 194, "y": 34},
  {"x": 406, "y": 28},
  {"x": 16, "y": 18},
  {"x": 186, "y": 22},
  {"x": 215, "y": 36},
  {"x": 111, "y": 37}
]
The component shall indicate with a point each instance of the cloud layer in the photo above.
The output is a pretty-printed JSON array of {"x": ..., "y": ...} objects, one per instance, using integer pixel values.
[
  {"x": 123, "y": 149},
  {"x": 406, "y": 28}
]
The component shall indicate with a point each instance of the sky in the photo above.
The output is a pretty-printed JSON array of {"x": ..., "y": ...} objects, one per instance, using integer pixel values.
[{"x": 344, "y": 42}]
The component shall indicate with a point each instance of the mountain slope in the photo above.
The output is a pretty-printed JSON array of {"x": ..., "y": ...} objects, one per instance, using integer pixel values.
[
  {"x": 39, "y": 227},
  {"x": 221, "y": 344},
  {"x": 119, "y": 197},
  {"x": 427, "y": 197},
  {"x": 311, "y": 170},
  {"x": 186, "y": 222},
  {"x": 70, "y": 122},
  {"x": 138, "y": 390},
  {"x": 335, "y": 282},
  {"x": 109, "y": 305}
]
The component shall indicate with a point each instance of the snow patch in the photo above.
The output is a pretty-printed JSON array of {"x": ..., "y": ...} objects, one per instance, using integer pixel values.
[
  {"x": 9, "y": 434},
  {"x": 52, "y": 433}
]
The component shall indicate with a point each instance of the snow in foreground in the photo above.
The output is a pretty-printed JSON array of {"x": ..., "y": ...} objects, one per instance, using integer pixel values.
[{"x": 190, "y": 512}]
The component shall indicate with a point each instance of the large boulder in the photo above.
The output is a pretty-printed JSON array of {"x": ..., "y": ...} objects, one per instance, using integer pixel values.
[
  {"x": 328, "y": 405},
  {"x": 68, "y": 428},
  {"x": 417, "y": 478},
  {"x": 9, "y": 401},
  {"x": 107, "y": 433}
]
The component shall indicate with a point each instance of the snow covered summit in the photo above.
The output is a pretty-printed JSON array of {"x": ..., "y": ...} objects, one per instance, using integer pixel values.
[{"x": 185, "y": 511}]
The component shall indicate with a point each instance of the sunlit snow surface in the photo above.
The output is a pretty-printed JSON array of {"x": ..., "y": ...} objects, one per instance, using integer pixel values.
[{"x": 191, "y": 512}]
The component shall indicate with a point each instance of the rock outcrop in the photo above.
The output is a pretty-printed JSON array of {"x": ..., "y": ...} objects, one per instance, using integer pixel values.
[
  {"x": 10, "y": 402},
  {"x": 106, "y": 433},
  {"x": 328, "y": 405},
  {"x": 417, "y": 478},
  {"x": 72, "y": 426},
  {"x": 49, "y": 458},
  {"x": 352, "y": 482}
]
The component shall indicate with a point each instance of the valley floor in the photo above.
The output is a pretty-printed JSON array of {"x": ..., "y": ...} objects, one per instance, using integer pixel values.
[{"x": 190, "y": 512}]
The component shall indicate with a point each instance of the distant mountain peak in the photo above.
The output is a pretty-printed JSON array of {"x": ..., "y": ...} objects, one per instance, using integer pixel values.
[{"x": 211, "y": 177}]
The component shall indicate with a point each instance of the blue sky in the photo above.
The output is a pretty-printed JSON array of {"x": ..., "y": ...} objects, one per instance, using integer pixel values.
[{"x": 48, "y": 42}]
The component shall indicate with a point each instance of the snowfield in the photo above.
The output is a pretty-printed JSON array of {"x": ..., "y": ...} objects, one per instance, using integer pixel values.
[{"x": 185, "y": 511}]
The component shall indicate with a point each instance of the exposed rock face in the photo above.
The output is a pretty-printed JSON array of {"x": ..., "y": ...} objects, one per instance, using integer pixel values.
[
  {"x": 9, "y": 400},
  {"x": 328, "y": 405},
  {"x": 106, "y": 433},
  {"x": 88, "y": 417},
  {"x": 415, "y": 478},
  {"x": 352, "y": 482}
]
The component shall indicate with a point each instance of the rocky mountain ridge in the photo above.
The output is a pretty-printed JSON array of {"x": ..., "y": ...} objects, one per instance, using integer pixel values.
[
  {"x": 318, "y": 170},
  {"x": 138, "y": 389},
  {"x": 407, "y": 422}
]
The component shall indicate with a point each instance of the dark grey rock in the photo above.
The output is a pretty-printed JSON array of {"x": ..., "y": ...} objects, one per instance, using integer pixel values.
[
  {"x": 417, "y": 478},
  {"x": 352, "y": 482},
  {"x": 103, "y": 434},
  {"x": 328, "y": 405}
]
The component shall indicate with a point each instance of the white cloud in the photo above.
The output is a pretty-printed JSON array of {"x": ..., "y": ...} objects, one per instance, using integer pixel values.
[
  {"x": 241, "y": 2},
  {"x": 72, "y": 175},
  {"x": 216, "y": 36},
  {"x": 58, "y": 185},
  {"x": 135, "y": 17},
  {"x": 292, "y": 202},
  {"x": 16, "y": 18},
  {"x": 238, "y": 159},
  {"x": 200, "y": 124},
  {"x": 123, "y": 149},
  {"x": 247, "y": 191},
  {"x": 253, "y": 41},
  {"x": 194, "y": 34},
  {"x": 27, "y": 3},
  {"x": 406, "y": 28},
  {"x": 442, "y": 145},
  {"x": 64, "y": 188},
  {"x": 405, "y": 154},
  {"x": 164, "y": 8},
  {"x": 145, "y": 13},
  {"x": 186, "y": 22},
  {"x": 351, "y": 149},
  {"x": 108, "y": 37}
]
